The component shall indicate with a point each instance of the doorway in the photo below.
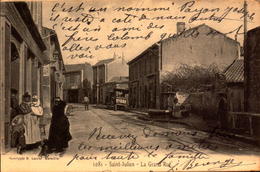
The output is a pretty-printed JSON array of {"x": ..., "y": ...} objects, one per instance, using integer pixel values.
[
  {"x": 73, "y": 96},
  {"x": 12, "y": 71}
]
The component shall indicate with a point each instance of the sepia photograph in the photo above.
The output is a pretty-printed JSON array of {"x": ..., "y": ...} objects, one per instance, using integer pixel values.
[{"x": 129, "y": 85}]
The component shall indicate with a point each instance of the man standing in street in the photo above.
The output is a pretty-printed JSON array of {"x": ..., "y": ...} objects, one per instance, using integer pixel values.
[{"x": 86, "y": 102}]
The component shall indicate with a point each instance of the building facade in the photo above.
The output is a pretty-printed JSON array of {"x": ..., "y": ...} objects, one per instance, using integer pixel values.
[
  {"x": 252, "y": 71},
  {"x": 53, "y": 79},
  {"x": 201, "y": 45},
  {"x": 113, "y": 84},
  {"x": 252, "y": 77},
  {"x": 144, "y": 79},
  {"x": 105, "y": 70},
  {"x": 78, "y": 82},
  {"x": 22, "y": 59}
]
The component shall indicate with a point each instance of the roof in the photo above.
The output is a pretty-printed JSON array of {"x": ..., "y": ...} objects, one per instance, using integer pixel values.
[
  {"x": 25, "y": 13},
  {"x": 214, "y": 31},
  {"x": 106, "y": 61},
  {"x": 75, "y": 67},
  {"x": 119, "y": 79},
  {"x": 155, "y": 45},
  {"x": 175, "y": 36},
  {"x": 235, "y": 72},
  {"x": 256, "y": 29}
]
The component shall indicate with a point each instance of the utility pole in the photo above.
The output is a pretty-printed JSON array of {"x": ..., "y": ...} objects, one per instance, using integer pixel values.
[
  {"x": 245, "y": 58},
  {"x": 245, "y": 20}
]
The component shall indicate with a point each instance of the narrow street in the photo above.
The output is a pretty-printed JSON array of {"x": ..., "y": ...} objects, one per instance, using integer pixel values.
[
  {"x": 116, "y": 140},
  {"x": 118, "y": 123},
  {"x": 103, "y": 133}
]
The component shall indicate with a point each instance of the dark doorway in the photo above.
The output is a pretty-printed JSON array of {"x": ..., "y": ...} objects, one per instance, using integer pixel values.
[
  {"x": 73, "y": 96},
  {"x": 15, "y": 68},
  {"x": 12, "y": 78}
]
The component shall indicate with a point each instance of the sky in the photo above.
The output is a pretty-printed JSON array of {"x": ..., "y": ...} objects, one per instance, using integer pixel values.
[{"x": 99, "y": 26}]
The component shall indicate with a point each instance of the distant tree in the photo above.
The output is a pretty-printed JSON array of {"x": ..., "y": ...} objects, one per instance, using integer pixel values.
[{"x": 191, "y": 78}]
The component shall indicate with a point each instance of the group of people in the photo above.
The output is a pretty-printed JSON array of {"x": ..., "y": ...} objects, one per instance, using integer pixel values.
[{"x": 26, "y": 130}]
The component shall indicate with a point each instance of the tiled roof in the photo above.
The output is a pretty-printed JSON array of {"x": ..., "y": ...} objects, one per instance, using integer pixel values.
[
  {"x": 235, "y": 72},
  {"x": 101, "y": 62}
]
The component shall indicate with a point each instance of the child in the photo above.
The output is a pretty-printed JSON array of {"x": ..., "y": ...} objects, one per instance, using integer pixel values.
[{"x": 18, "y": 138}]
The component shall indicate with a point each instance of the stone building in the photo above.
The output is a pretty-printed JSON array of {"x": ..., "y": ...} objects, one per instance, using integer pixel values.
[
  {"x": 53, "y": 79},
  {"x": 22, "y": 58},
  {"x": 201, "y": 45},
  {"x": 252, "y": 71},
  {"x": 252, "y": 78},
  {"x": 144, "y": 79},
  {"x": 78, "y": 82},
  {"x": 103, "y": 72}
]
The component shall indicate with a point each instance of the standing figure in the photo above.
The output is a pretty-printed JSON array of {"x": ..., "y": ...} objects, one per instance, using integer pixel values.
[
  {"x": 59, "y": 134},
  {"x": 37, "y": 114},
  {"x": 32, "y": 123},
  {"x": 17, "y": 133},
  {"x": 176, "y": 111},
  {"x": 19, "y": 127},
  {"x": 86, "y": 102},
  {"x": 14, "y": 103}
]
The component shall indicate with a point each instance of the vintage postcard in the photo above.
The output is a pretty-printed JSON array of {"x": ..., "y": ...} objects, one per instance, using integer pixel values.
[{"x": 130, "y": 85}]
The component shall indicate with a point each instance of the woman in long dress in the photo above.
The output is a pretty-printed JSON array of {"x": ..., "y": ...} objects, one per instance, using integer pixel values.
[
  {"x": 24, "y": 109},
  {"x": 32, "y": 123},
  {"x": 37, "y": 113},
  {"x": 59, "y": 134}
]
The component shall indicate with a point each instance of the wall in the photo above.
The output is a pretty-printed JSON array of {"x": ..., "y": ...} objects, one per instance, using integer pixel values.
[
  {"x": 236, "y": 97},
  {"x": 72, "y": 80},
  {"x": 112, "y": 68},
  {"x": 144, "y": 80},
  {"x": 252, "y": 71},
  {"x": 36, "y": 12},
  {"x": 204, "y": 104},
  {"x": 11, "y": 23},
  {"x": 202, "y": 49},
  {"x": 52, "y": 83}
]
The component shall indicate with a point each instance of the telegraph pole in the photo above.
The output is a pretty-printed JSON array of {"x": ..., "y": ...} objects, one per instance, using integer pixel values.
[
  {"x": 245, "y": 59},
  {"x": 245, "y": 20}
]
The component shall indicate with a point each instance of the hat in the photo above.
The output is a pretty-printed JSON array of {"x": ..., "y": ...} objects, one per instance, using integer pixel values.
[{"x": 26, "y": 95}]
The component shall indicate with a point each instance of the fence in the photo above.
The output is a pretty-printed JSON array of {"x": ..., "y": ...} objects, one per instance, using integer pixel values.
[{"x": 246, "y": 123}]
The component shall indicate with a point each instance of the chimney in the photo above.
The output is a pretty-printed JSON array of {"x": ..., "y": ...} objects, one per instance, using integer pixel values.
[{"x": 180, "y": 27}]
